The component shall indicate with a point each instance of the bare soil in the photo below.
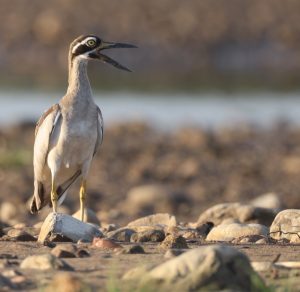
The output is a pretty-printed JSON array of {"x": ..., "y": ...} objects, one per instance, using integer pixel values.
[{"x": 103, "y": 269}]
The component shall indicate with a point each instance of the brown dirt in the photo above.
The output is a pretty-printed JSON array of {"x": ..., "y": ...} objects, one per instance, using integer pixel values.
[{"x": 104, "y": 268}]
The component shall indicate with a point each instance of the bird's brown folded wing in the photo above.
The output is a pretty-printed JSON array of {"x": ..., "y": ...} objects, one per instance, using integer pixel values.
[
  {"x": 43, "y": 131},
  {"x": 99, "y": 131},
  {"x": 53, "y": 110}
]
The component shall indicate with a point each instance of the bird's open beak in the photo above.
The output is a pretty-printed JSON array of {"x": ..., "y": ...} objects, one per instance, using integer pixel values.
[{"x": 109, "y": 45}]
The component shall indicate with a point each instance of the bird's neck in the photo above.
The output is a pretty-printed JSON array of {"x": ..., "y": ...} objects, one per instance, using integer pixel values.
[{"x": 79, "y": 85}]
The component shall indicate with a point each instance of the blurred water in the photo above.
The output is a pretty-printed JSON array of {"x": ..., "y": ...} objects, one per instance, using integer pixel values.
[{"x": 165, "y": 111}]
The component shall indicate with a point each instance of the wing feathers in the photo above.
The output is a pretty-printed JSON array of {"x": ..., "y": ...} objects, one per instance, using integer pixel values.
[
  {"x": 99, "y": 131},
  {"x": 43, "y": 131},
  {"x": 53, "y": 109}
]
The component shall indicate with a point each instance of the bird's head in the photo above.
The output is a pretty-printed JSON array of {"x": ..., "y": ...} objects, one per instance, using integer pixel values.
[{"x": 90, "y": 47}]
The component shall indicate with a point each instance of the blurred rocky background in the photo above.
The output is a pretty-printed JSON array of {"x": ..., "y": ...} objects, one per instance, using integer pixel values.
[
  {"x": 182, "y": 44},
  {"x": 141, "y": 171}
]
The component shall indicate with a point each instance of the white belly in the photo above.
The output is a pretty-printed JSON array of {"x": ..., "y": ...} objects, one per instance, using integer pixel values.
[{"x": 75, "y": 145}]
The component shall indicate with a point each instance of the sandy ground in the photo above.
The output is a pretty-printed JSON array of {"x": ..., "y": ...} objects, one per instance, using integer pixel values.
[{"x": 104, "y": 269}]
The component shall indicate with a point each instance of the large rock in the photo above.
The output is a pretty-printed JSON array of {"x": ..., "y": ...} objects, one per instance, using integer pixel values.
[
  {"x": 211, "y": 268},
  {"x": 235, "y": 230},
  {"x": 44, "y": 262},
  {"x": 286, "y": 225},
  {"x": 162, "y": 219},
  {"x": 58, "y": 224},
  {"x": 269, "y": 200},
  {"x": 235, "y": 211}
]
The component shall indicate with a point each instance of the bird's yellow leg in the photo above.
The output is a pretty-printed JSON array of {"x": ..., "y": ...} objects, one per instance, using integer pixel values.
[
  {"x": 82, "y": 198},
  {"x": 54, "y": 197}
]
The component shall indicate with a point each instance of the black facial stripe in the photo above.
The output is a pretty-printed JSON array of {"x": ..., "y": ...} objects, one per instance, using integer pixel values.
[{"x": 81, "y": 50}]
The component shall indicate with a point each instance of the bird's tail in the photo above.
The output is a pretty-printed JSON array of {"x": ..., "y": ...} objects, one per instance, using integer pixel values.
[{"x": 37, "y": 201}]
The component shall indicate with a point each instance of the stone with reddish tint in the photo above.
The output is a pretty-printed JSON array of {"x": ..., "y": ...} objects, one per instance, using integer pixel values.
[{"x": 105, "y": 243}]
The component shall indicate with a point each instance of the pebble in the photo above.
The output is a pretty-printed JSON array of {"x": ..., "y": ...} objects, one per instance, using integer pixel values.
[
  {"x": 236, "y": 230},
  {"x": 253, "y": 239},
  {"x": 105, "y": 243},
  {"x": 286, "y": 225},
  {"x": 210, "y": 268},
  {"x": 135, "y": 249},
  {"x": 173, "y": 241},
  {"x": 122, "y": 234},
  {"x": 20, "y": 235},
  {"x": 59, "y": 238},
  {"x": 44, "y": 262},
  {"x": 18, "y": 279},
  {"x": 64, "y": 251},
  {"x": 151, "y": 235},
  {"x": 110, "y": 227}
]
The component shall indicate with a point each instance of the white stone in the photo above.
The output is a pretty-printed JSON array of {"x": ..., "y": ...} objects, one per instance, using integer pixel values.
[
  {"x": 286, "y": 225},
  {"x": 269, "y": 200},
  {"x": 235, "y": 230},
  {"x": 68, "y": 226}
]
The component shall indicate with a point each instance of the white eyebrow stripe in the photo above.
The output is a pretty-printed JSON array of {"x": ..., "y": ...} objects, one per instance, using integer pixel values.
[{"x": 83, "y": 42}]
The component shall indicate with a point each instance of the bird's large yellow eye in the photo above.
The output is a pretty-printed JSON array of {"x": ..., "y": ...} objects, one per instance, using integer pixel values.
[{"x": 91, "y": 43}]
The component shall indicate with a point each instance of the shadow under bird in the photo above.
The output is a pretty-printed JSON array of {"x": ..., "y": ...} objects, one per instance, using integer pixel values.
[{"x": 68, "y": 135}]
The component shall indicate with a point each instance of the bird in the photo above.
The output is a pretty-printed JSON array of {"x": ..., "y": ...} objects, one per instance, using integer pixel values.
[{"x": 69, "y": 133}]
